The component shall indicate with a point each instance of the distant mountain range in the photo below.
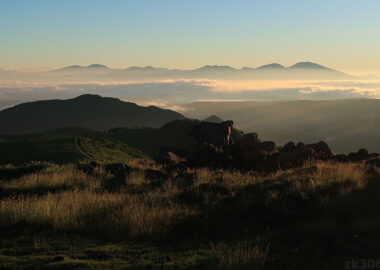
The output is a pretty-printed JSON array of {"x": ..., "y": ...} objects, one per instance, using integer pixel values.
[
  {"x": 87, "y": 111},
  {"x": 299, "y": 65},
  {"x": 301, "y": 70},
  {"x": 93, "y": 66}
]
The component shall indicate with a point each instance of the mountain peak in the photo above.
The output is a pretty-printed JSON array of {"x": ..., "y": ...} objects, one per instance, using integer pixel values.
[
  {"x": 215, "y": 67},
  {"x": 97, "y": 99},
  {"x": 92, "y": 66},
  {"x": 88, "y": 96},
  {"x": 98, "y": 66},
  {"x": 308, "y": 65},
  {"x": 271, "y": 66},
  {"x": 72, "y": 67},
  {"x": 141, "y": 68},
  {"x": 213, "y": 119}
]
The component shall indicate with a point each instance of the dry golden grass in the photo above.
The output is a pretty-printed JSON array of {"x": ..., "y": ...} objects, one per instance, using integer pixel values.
[
  {"x": 233, "y": 255},
  {"x": 64, "y": 199},
  {"x": 224, "y": 208},
  {"x": 83, "y": 206},
  {"x": 142, "y": 164},
  {"x": 54, "y": 177},
  {"x": 328, "y": 173},
  {"x": 137, "y": 178},
  {"x": 79, "y": 210},
  {"x": 231, "y": 178}
]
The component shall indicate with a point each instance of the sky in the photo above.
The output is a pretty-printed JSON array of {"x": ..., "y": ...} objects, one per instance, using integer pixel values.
[{"x": 342, "y": 34}]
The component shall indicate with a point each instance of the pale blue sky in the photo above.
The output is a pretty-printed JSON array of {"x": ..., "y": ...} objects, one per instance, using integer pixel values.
[{"x": 343, "y": 34}]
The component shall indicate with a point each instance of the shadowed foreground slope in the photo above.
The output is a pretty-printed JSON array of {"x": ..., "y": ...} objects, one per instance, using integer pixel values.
[
  {"x": 24, "y": 149},
  {"x": 60, "y": 218}
]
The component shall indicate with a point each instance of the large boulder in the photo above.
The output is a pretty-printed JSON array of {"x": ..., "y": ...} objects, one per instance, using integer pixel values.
[
  {"x": 321, "y": 150},
  {"x": 295, "y": 158},
  {"x": 217, "y": 134},
  {"x": 119, "y": 171},
  {"x": 246, "y": 151},
  {"x": 172, "y": 155},
  {"x": 373, "y": 163},
  {"x": 289, "y": 159},
  {"x": 155, "y": 175},
  {"x": 248, "y": 140},
  {"x": 267, "y": 147},
  {"x": 288, "y": 147},
  {"x": 208, "y": 155},
  {"x": 88, "y": 168},
  {"x": 249, "y": 152},
  {"x": 185, "y": 179},
  {"x": 213, "y": 145},
  {"x": 360, "y": 155}
]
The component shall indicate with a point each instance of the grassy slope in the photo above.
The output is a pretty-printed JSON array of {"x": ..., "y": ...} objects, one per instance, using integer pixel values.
[
  {"x": 107, "y": 150},
  {"x": 62, "y": 219},
  {"x": 66, "y": 149},
  {"x": 59, "y": 150}
]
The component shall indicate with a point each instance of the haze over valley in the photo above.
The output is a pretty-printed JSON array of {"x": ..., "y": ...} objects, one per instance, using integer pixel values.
[
  {"x": 172, "y": 88},
  {"x": 260, "y": 99}
]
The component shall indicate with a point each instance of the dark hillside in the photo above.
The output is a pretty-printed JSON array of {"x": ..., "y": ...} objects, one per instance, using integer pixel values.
[{"x": 88, "y": 111}]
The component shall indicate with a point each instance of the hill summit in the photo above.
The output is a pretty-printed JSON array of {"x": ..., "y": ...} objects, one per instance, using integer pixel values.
[
  {"x": 213, "y": 119},
  {"x": 88, "y": 111},
  {"x": 308, "y": 65}
]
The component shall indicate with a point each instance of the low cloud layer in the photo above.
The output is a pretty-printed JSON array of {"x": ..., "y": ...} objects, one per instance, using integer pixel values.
[{"x": 173, "y": 94}]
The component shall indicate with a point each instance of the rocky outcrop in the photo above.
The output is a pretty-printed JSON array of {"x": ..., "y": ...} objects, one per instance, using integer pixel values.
[
  {"x": 215, "y": 148},
  {"x": 291, "y": 156},
  {"x": 119, "y": 170},
  {"x": 217, "y": 134},
  {"x": 320, "y": 150},
  {"x": 373, "y": 163},
  {"x": 208, "y": 155},
  {"x": 248, "y": 140},
  {"x": 249, "y": 151},
  {"x": 155, "y": 175},
  {"x": 88, "y": 168},
  {"x": 361, "y": 155},
  {"x": 295, "y": 158},
  {"x": 172, "y": 155},
  {"x": 288, "y": 147},
  {"x": 213, "y": 144}
]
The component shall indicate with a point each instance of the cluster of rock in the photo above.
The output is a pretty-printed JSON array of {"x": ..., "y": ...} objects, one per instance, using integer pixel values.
[
  {"x": 215, "y": 147},
  {"x": 119, "y": 171}
]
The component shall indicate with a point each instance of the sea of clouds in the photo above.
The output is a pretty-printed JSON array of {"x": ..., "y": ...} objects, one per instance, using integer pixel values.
[{"x": 174, "y": 93}]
